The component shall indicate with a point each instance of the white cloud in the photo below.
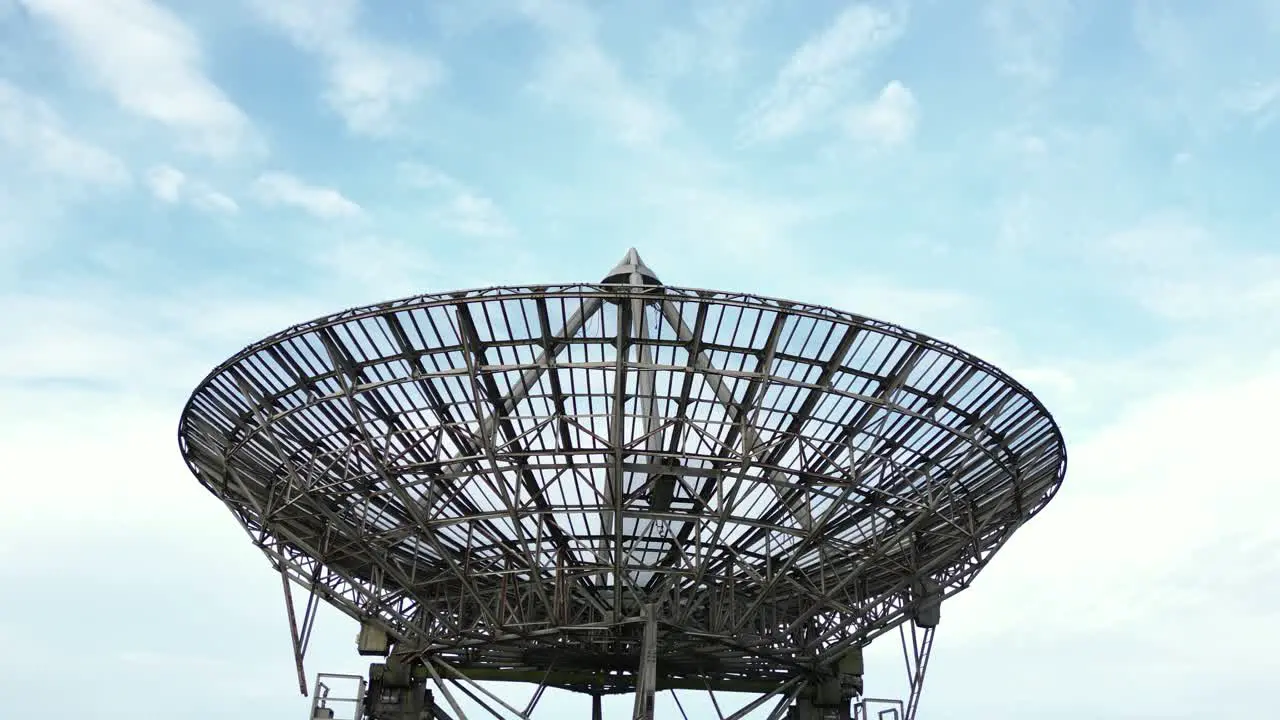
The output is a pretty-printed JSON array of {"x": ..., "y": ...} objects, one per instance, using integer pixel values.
[
  {"x": 1259, "y": 101},
  {"x": 673, "y": 54},
  {"x": 110, "y": 435},
  {"x": 379, "y": 267},
  {"x": 889, "y": 120},
  {"x": 1165, "y": 521},
  {"x": 172, "y": 186},
  {"x": 687, "y": 196},
  {"x": 1028, "y": 36},
  {"x": 83, "y": 343},
  {"x": 721, "y": 26},
  {"x": 1165, "y": 517},
  {"x": 820, "y": 72},
  {"x": 282, "y": 189},
  {"x": 707, "y": 220},
  {"x": 213, "y": 201},
  {"x": 578, "y": 73},
  {"x": 473, "y": 214},
  {"x": 1257, "y": 97},
  {"x": 714, "y": 44},
  {"x": 460, "y": 207},
  {"x": 1175, "y": 269},
  {"x": 105, "y": 369},
  {"x": 1017, "y": 215},
  {"x": 166, "y": 182},
  {"x": 1145, "y": 578},
  {"x": 1210, "y": 71},
  {"x": 369, "y": 82},
  {"x": 34, "y": 133},
  {"x": 152, "y": 64}
]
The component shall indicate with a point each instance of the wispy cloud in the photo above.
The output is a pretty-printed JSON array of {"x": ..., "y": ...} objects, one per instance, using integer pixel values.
[
  {"x": 152, "y": 64},
  {"x": 1211, "y": 72},
  {"x": 577, "y": 73},
  {"x": 1176, "y": 270},
  {"x": 32, "y": 133},
  {"x": 1259, "y": 101},
  {"x": 819, "y": 74},
  {"x": 108, "y": 363},
  {"x": 714, "y": 43},
  {"x": 377, "y": 267},
  {"x": 75, "y": 341},
  {"x": 722, "y": 25},
  {"x": 283, "y": 189},
  {"x": 166, "y": 183},
  {"x": 370, "y": 82},
  {"x": 1158, "y": 472},
  {"x": 171, "y": 185},
  {"x": 887, "y": 121},
  {"x": 709, "y": 218},
  {"x": 1028, "y": 37},
  {"x": 458, "y": 206},
  {"x": 1137, "y": 299},
  {"x": 685, "y": 190}
]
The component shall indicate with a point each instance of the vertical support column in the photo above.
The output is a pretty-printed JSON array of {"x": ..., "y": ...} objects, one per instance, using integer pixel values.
[
  {"x": 597, "y": 711},
  {"x": 293, "y": 632},
  {"x": 917, "y": 646},
  {"x": 917, "y": 638},
  {"x": 647, "y": 673}
]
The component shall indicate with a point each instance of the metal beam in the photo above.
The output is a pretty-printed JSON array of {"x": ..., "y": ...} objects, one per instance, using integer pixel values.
[{"x": 647, "y": 673}]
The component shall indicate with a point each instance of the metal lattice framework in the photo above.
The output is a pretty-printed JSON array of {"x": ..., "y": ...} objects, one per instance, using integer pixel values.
[{"x": 510, "y": 479}]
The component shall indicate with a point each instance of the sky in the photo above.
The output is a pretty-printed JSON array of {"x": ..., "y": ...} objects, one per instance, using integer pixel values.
[{"x": 1081, "y": 192}]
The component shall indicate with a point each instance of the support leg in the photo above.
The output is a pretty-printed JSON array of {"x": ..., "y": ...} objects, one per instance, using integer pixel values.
[
  {"x": 917, "y": 645},
  {"x": 647, "y": 673}
]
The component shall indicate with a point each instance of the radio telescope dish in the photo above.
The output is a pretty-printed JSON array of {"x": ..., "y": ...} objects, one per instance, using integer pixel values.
[{"x": 622, "y": 487}]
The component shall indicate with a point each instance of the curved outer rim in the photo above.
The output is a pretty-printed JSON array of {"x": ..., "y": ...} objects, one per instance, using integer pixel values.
[
  {"x": 477, "y": 294},
  {"x": 509, "y": 292}
]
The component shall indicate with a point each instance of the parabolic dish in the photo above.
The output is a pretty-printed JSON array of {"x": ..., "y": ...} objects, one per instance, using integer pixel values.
[{"x": 507, "y": 476}]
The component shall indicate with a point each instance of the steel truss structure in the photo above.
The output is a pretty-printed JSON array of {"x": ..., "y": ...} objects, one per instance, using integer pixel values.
[{"x": 625, "y": 486}]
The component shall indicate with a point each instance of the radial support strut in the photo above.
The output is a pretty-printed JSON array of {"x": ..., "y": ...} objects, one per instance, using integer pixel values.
[{"x": 917, "y": 646}]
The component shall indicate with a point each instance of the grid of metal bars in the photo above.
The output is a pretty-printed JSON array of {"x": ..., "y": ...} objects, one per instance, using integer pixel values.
[{"x": 515, "y": 470}]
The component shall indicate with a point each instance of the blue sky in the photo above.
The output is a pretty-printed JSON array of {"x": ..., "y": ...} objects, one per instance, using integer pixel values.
[{"x": 1082, "y": 192}]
